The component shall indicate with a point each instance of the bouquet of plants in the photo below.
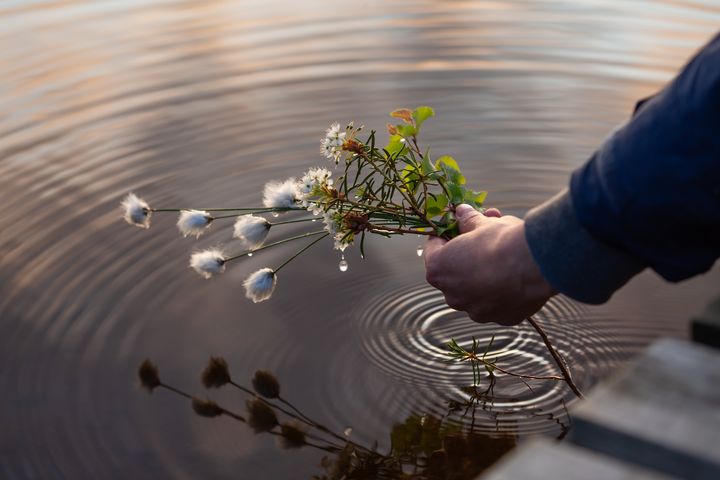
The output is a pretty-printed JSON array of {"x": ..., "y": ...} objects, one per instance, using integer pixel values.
[
  {"x": 395, "y": 189},
  {"x": 386, "y": 190}
]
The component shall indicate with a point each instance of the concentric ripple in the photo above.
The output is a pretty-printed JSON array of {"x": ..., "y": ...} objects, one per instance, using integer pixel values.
[
  {"x": 405, "y": 332},
  {"x": 197, "y": 104}
]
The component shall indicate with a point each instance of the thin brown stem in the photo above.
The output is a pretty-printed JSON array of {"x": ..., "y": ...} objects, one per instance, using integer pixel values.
[
  {"x": 513, "y": 374},
  {"x": 373, "y": 228},
  {"x": 559, "y": 360},
  {"x": 297, "y": 416}
]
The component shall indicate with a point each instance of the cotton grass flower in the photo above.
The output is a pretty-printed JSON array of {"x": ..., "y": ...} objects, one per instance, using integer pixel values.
[
  {"x": 251, "y": 230},
  {"x": 208, "y": 263},
  {"x": 259, "y": 286},
  {"x": 136, "y": 211},
  {"x": 280, "y": 194},
  {"x": 193, "y": 222}
]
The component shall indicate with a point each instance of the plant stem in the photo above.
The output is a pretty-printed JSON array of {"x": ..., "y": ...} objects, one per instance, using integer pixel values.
[
  {"x": 513, "y": 374},
  {"x": 297, "y": 416},
  {"x": 293, "y": 221},
  {"x": 300, "y": 252},
  {"x": 373, "y": 228},
  {"x": 244, "y": 209},
  {"x": 330, "y": 448},
  {"x": 557, "y": 357},
  {"x": 279, "y": 242}
]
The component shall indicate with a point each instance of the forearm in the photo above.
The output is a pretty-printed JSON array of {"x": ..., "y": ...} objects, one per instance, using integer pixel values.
[{"x": 650, "y": 196}]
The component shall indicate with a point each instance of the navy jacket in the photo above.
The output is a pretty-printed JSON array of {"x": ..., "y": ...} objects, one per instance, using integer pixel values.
[{"x": 649, "y": 197}]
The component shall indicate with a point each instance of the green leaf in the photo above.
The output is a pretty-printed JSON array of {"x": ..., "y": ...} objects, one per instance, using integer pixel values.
[
  {"x": 420, "y": 114},
  {"x": 427, "y": 168},
  {"x": 435, "y": 205},
  {"x": 396, "y": 146},
  {"x": 457, "y": 193},
  {"x": 451, "y": 169},
  {"x": 406, "y": 131},
  {"x": 411, "y": 178},
  {"x": 451, "y": 229},
  {"x": 473, "y": 198},
  {"x": 488, "y": 347}
]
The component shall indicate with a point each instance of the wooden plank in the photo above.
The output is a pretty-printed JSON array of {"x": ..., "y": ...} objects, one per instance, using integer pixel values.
[
  {"x": 662, "y": 412},
  {"x": 706, "y": 327},
  {"x": 545, "y": 459}
]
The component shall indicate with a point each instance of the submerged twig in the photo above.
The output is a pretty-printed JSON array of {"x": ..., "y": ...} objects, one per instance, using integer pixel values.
[{"x": 559, "y": 360}]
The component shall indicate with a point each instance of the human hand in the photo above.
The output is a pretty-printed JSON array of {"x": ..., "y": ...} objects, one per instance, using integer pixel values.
[{"x": 487, "y": 270}]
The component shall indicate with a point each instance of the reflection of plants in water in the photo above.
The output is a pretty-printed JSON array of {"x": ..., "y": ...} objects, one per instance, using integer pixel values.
[
  {"x": 476, "y": 361},
  {"x": 422, "y": 447}
]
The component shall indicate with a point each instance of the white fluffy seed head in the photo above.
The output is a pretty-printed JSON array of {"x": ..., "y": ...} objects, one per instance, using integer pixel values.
[
  {"x": 280, "y": 194},
  {"x": 193, "y": 222},
  {"x": 208, "y": 263},
  {"x": 259, "y": 286},
  {"x": 251, "y": 230},
  {"x": 136, "y": 211}
]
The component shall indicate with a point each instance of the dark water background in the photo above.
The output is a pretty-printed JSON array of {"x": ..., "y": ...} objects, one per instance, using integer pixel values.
[{"x": 198, "y": 104}]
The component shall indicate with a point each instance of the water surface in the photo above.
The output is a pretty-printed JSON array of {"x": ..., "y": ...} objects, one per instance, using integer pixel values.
[{"x": 198, "y": 104}]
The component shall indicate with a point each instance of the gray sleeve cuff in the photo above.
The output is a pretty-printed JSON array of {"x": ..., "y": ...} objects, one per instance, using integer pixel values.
[{"x": 571, "y": 259}]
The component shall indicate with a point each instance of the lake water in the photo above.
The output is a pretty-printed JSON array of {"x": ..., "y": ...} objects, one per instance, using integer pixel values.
[{"x": 198, "y": 104}]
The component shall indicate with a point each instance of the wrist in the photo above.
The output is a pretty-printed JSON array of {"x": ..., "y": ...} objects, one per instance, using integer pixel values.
[{"x": 533, "y": 283}]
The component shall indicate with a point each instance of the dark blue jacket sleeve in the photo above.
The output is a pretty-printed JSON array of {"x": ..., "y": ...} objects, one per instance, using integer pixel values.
[{"x": 649, "y": 197}]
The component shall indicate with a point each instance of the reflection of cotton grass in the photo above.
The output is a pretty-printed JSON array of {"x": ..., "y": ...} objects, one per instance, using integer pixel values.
[
  {"x": 216, "y": 373},
  {"x": 251, "y": 230},
  {"x": 136, "y": 211},
  {"x": 259, "y": 286},
  {"x": 261, "y": 417},
  {"x": 208, "y": 263},
  {"x": 280, "y": 194},
  {"x": 266, "y": 384},
  {"x": 193, "y": 222}
]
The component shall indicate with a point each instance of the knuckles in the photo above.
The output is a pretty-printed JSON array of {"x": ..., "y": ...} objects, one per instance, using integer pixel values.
[
  {"x": 431, "y": 276},
  {"x": 455, "y": 303}
]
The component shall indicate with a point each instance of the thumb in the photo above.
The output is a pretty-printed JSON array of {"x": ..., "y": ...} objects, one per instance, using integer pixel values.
[{"x": 468, "y": 218}]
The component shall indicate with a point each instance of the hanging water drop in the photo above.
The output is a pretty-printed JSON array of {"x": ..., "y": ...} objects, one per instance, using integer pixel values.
[
  {"x": 249, "y": 254},
  {"x": 419, "y": 250},
  {"x": 343, "y": 265}
]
